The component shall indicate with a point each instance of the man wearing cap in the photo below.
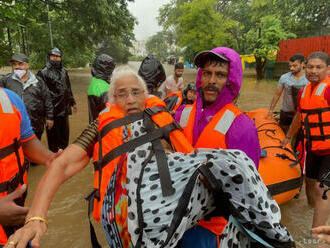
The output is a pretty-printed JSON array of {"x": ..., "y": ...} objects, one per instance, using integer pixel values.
[
  {"x": 32, "y": 90},
  {"x": 213, "y": 121},
  {"x": 57, "y": 79}
]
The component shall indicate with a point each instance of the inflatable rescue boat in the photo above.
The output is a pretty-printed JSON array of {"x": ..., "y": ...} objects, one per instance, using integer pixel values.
[{"x": 279, "y": 167}]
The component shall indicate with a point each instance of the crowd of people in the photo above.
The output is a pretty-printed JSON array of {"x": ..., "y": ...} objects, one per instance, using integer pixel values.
[{"x": 170, "y": 163}]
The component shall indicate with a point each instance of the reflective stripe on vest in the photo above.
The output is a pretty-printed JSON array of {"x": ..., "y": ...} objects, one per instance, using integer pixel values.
[
  {"x": 185, "y": 116},
  {"x": 178, "y": 101},
  {"x": 304, "y": 92},
  {"x": 5, "y": 103},
  {"x": 225, "y": 122},
  {"x": 320, "y": 89}
]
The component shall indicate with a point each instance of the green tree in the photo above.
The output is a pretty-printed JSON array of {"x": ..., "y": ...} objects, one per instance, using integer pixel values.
[
  {"x": 304, "y": 17},
  {"x": 264, "y": 38},
  {"x": 254, "y": 26},
  {"x": 79, "y": 27},
  {"x": 161, "y": 44},
  {"x": 198, "y": 27}
]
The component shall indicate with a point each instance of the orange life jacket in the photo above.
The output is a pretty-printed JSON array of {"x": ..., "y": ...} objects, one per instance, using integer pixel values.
[
  {"x": 110, "y": 140},
  {"x": 213, "y": 136},
  {"x": 315, "y": 116},
  {"x": 173, "y": 100},
  {"x": 13, "y": 174}
]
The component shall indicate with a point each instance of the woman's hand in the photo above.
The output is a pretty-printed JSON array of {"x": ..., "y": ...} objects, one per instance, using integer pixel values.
[{"x": 33, "y": 231}]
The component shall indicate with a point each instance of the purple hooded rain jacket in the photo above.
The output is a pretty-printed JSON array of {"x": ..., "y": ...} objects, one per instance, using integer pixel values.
[{"x": 242, "y": 134}]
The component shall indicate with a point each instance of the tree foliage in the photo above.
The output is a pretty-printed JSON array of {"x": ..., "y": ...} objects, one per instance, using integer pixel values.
[
  {"x": 254, "y": 26},
  {"x": 79, "y": 27},
  {"x": 199, "y": 27},
  {"x": 162, "y": 45}
]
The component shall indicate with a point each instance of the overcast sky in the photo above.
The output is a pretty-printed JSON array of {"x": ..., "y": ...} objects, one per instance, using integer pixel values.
[{"x": 146, "y": 11}]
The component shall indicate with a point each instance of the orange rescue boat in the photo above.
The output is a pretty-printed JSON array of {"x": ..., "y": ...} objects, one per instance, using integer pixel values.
[{"x": 279, "y": 167}]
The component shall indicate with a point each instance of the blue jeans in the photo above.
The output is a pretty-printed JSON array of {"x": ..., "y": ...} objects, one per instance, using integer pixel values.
[{"x": 198, "y": 237}]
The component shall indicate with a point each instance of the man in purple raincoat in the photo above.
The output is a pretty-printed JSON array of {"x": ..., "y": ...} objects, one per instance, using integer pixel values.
[{"x": 213, "y": 121}]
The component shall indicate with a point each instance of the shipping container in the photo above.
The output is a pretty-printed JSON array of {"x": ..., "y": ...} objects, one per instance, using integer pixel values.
[{"x": 306, "y": 46}]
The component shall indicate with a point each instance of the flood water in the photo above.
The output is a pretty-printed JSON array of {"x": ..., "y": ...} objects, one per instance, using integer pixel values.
[{"x": 68, "y": 223}]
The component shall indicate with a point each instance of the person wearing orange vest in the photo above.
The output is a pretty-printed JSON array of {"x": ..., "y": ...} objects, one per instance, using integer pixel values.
[
  {"x": 213, "y": 121},
  {"x": 314, "y": 117},
  {"x": 17, "y": 140}
]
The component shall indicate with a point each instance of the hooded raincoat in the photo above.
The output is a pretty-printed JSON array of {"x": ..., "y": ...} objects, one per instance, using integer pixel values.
[
  {"x": 97, "y": 92},
  {"x": 57, "y": 80},
  {"x": 242, "y": 134}
]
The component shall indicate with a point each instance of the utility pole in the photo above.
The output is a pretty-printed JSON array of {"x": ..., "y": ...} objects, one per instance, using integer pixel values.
[{"x": 50, "y": 27}]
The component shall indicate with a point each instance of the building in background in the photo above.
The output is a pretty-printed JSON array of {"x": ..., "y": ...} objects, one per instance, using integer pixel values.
[{"x": 139, "y": 48}]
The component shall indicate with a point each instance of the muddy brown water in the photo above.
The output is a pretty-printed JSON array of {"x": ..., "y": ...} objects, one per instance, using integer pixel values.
[{"x": 68, "y": 223}]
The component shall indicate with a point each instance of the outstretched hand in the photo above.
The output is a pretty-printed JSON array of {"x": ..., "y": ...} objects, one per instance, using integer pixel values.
[
  {"x": 322, "y": 233},
  {"x": 12, "y": 214},
  {"x": 33, "y": 231},
  {"x": 270, "y": 115},
  {"x": 53, "y": 157}
]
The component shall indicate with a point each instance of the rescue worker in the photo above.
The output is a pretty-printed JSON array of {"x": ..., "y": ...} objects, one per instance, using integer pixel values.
[
  {"x": 313, "y": 114},
  {"x": 290, "y": 83},
  {"x": 33, "y": 91},
  {"x": 97, "y": 92},
  {"x": 17, "y": 141},
  {"x": 57, "y": 80},
  {"x": 213, "y": 121},
  {"x": 153, "y": 73}
]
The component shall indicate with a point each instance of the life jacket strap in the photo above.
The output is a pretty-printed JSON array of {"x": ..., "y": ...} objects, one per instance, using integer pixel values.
[
  {"x": 315, "y": 111},
  {"x": 90, "y": 198},
  {"x": 132, "y": 144},
  {"x": 131, "y": 118},
  {"x": 6, "y": 151},
  {"x": 12, "y": 184}
]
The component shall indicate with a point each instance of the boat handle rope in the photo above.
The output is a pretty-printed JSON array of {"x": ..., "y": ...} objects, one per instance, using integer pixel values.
[
  {"x": 291, "y": 165},
  {"x": 267, "y": 123},
  {"x": 284, "y": 156},
  {"x": 273, "y": 131}
]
